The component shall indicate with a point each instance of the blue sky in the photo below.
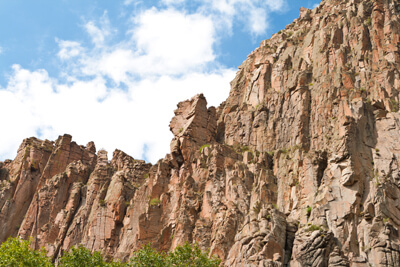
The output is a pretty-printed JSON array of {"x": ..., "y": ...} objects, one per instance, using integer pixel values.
[{"x": 112, "y": 72}]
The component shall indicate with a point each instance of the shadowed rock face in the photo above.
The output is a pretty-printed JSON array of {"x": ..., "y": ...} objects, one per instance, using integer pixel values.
[{"x": 298, "y": 167}]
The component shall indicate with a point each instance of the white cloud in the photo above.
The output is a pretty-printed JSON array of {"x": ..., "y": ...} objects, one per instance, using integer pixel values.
[
  {"x": 258, "y": 21},
  {"x": 168, "y": 34},
  {"x": 100, "y": 32},
  {"x": 161, "y": 42},
  {"x": 173, "y": 2},
  {"x": 176, "y": 40},
  {"x": 136, "y": 2},
  {"x": 224, "y": 12},
  {"x": 276, "y": 5},
  {"x": 1, "y": 50},
  {"x": 167, "y": 56},
  {"x": 113, "y": 118},
  {"x": 68, "y": 49},
  {"x": 252, "y": 13}
]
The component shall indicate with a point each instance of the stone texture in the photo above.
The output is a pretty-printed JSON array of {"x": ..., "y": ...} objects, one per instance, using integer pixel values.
[{"x": 300, "y": 166}]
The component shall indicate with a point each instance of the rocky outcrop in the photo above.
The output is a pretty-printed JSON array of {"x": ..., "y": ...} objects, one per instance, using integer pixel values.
[{"x": 298, "y": 167}]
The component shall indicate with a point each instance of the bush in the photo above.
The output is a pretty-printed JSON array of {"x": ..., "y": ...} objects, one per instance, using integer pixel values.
[
  {"x": 203, "y": 146},
  {"x": 313, "y": 228},
  {"x": 148, "y": 256},
  {"x": 81, "y": 256},
  {"x": 17, "y": 252},
  {"x": 309, "y": 209},
  {"x": 154, "y": 202},
  {"x": 183, "y": 256},
  {"x": 191, "y": 255}
]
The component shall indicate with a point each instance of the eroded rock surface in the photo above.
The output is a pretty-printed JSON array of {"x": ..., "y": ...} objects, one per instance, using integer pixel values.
[{"x": 300, "y": 166}]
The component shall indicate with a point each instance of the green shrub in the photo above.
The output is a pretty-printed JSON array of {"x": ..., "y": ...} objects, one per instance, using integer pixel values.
[
  {"x": 16, "y": 252},
  {"x": 368, "y": 21},
  {"x": 191, "y": 255},
  {"x": 257, "y": 207},
  {"x": 203, "y": 146},
  {"x": 81, "y": 256},
  {"x": 308, "y": 211},
  {"x": 148, "y": 256},
  {"x": 313, "y": 228},
  {"x": 155, "y": 202},
  {"x": 102, "y": 203},
  {"x": 183, "y": 256}
]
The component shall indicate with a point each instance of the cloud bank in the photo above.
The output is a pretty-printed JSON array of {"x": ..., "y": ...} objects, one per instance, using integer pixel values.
[{"x": 122, "y": 95}]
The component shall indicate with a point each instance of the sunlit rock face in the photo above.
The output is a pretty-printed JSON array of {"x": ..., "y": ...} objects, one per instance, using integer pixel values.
[{"x": 300, "y": 166}]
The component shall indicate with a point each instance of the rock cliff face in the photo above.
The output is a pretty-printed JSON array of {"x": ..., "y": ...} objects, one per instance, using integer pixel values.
[{"x": 300, "y": 166}]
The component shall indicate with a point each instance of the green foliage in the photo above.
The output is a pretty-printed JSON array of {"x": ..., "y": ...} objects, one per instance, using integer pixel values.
[
  {"x": 203, "y": 146},
  {"x": 394, "y": 105},
  {"x": 191, "y": 255},
  {"x": 241, "y": 149},
  {"x": 102, "y": 203},
  {"x": 284, "y": 150},
  {"x": 81, "y": 256},
  {"x": 257, "y": 207},
  {"x": 146, "y": 175},
  {"x": 155, "y": 202},
  {"x": 368, "y": 21},
  {"x": 308, "y": 211},
  {"x": 182, "y": 256},
  {"x": 313, "y": 228},
  {"x": 148, "y": 256},
  {"x": 16, "y": 252}
]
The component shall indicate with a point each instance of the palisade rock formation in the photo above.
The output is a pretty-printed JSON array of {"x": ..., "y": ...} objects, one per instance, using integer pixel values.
[{"x": 300, "y": 166}]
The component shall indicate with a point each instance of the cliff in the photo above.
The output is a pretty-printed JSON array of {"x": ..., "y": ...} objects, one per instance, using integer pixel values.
[{"x": 298, "y": 167}]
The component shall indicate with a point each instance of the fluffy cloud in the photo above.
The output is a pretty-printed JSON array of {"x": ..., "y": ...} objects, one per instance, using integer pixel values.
[
  {"x": 181, "y": 41},
  {"x": 315, "y": 5},
  {"x": 114, "y": 118},
  {"x": 68, "y": 49},
  {"x": 99, "y": 33},
  {"x": 121, "y": 95},
  {"x": 253, "y": 13},
  {"x": 161, "y": 42}
]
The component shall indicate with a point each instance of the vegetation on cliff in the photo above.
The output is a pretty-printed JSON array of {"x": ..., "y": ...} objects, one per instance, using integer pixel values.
[{"x": 16, "y": 252}]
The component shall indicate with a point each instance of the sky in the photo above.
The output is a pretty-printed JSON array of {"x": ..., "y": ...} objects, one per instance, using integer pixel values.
[{"x": 113, "y": 71}]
